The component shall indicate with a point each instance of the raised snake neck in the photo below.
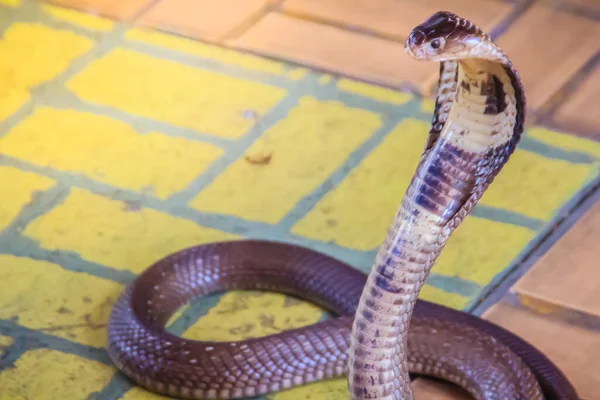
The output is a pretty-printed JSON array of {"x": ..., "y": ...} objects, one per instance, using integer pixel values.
[
  {"x": 477, "y": 123},
  {"x": 383, "y": 332}
]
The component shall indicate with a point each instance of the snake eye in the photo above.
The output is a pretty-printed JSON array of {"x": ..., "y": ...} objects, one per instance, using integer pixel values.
[{"x": 435, "y": 44}]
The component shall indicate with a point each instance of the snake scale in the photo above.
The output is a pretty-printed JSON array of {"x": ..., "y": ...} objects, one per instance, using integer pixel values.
[{"x": 381, "y": 333}]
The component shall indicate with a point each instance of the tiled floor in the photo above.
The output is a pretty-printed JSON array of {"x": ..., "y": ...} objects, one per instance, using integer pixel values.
[
  {"x": 159, "y": 142},
  {"x": 557, "y": 65}
]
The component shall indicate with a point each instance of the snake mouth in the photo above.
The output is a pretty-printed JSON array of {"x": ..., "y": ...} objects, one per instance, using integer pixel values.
[
  {"x": 413, "y": 43},
  {"x": 411, "y": 51}
]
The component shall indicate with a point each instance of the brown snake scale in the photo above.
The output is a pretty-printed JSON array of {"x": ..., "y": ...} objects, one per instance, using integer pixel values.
[{"x": 381, "y": 332}]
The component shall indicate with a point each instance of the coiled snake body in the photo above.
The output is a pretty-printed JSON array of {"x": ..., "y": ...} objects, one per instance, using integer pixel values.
[{"x": 382, "y": 331}]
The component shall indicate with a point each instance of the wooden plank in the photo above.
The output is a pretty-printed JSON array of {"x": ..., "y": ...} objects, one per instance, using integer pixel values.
[
  {"x": 429, "y": 389},
  {"x": 395, "y": 17},
  {"x": 547, "y": 48},
  {"x": 109, "y": 8},
  {"x": 333, "y": 49},
  {"x": 580, "y": 112},
  {"x": 584, "y": 4},
  {"x": 567, "y": 274},
  {"x": 575, "y": 350},
  {"x": 203, "y": 19}
]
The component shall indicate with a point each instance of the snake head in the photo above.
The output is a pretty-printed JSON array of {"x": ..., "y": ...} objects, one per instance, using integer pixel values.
[{"x": 444, "y": 36}]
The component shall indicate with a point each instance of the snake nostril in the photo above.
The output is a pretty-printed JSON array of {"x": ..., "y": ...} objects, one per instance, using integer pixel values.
[{"x": 416, "y": 38}]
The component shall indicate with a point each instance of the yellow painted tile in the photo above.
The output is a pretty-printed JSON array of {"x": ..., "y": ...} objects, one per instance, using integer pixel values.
[
  {"x": 304, "y": 149},
  {"x": 46, "y": 297},
  {"x": 325, "y": 79},
  {"x": 78, "y": 18},
  {"x": 375, "y": 92},
  {"x": 11, "y": 3},
  {"x": 375, "y": 187},
  {"x": 428, "y": 105},
  {"x": 241, "y": 315},
  {"x": 536, "y": 186},
  {"x": 175, "y": 93},
  {"x": 104, "y": 231},
  {"x": 175, "y": 316},
  {"x": 193, "y": 47},
  {"x": 31, "y": 53},
  {"x": 17, "y": 190},
  {"x": 444, "y": 298},
  {"x": 479, "y": 249},
  {"x": 249, "y": 314},
  {"x": 5, "y": 343},
  {"x": 565, "y": 141},
  {"x": 108, "y": 150},
  {"x": 11, "y": 99},
  {"x": 297, "y": 73},
  {"x": 57, "y": 376}
]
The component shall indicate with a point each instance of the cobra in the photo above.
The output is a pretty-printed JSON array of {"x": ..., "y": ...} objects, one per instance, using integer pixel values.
[{"x": 381, "y": 332}]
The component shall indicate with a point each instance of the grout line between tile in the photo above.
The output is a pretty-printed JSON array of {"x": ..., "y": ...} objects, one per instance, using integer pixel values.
[
  {"x": 120, "y": 384},
  {"x": 34, "y": 13},
  {"x": 196, "y": 310},
  {"x": 218, "y": 225},
  {"x": 507, "y": 217},
  {"x": 40, "y": 204},
  {"x": 37, "y": 339},
  {"x": 14, "y": 352},
  {"x": 213, "y": 64},
  {"x": 236, "y": 149},
  {"x": 62, "y": 99},
  {"x": 378, "y": 108},
  {"x": 70, "y": 261},
  {"x": 304, "y": 205},
  {"x": 43, "y": 91},
  {"x": 26, "y": 247},
  {"x": 281, "y": 81},
  {"x": 8, "y": 17},
  {"x": 546, "y": 150}
]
